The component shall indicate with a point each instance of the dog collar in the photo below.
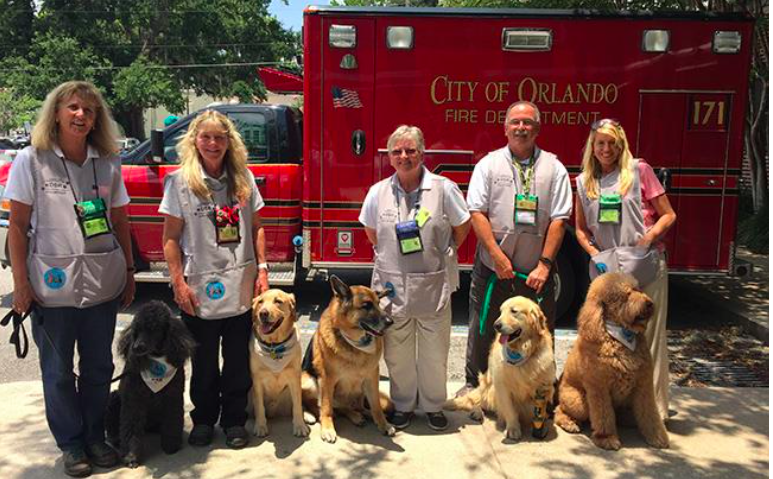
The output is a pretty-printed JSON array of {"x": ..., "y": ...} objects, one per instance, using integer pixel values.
[
  {"x": 274, "y": 355},
  {"x": 364, "y": 344},
  {"x": 158, "y": 374},
  {"x": 622, "y": 334},
  {"x": 514, "y": 358}
]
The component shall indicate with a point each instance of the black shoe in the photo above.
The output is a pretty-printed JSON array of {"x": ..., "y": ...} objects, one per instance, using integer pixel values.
[
  {"x": 102, "y": 455},
  {"x": 236, "y": 437},
  {"x": 464, "y": 390},
  {"x": 437, "y": 420},
  {"x": 76, "y": 464},
  {"x": 201, "y": 435},
  {"x": 401, "y": 419}
]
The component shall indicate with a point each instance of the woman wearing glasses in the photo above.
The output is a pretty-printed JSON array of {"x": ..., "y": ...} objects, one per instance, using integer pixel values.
[
  {"x": 416, "y": 221},
  {"x": 623, "y": 217}
]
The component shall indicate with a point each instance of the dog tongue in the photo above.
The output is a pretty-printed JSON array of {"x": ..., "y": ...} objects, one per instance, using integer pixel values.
[
  {"x": 503, "y": 338},
  {"x": 266, "y": 328}
]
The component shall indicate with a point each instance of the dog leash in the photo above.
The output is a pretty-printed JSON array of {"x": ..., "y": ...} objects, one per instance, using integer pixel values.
[{"x": 492, "y": 280}]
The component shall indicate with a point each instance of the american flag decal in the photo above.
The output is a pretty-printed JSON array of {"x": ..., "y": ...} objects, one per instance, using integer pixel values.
[{"x": 344, "y": 98}]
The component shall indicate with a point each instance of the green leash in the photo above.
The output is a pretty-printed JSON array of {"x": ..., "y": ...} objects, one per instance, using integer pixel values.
[{"x": 492, "y": 280}]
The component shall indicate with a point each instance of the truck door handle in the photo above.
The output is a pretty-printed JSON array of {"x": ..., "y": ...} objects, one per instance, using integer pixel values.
[
  {"x": 260, "y": 180},
  {"x": 664, "y": 175}
]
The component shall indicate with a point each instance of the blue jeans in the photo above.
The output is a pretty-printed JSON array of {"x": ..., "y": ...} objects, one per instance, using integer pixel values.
[{"x": 75, "y": 410}]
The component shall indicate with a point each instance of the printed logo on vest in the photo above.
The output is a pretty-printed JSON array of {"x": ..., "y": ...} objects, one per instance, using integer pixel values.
[
  {"x": 215, "y": 290},
  {"x": 55, "y": 278}
]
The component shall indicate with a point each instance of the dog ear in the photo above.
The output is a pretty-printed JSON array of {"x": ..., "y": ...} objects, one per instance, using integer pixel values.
[
  {"x": 125, "y": 341},
  {"x": 340, "y": 289},
  {"x": 539, "y": 317},
  {"x": 179, "y": 344},
  {"x": 590, "y": 320},
  {"x": 293, "y": 312}
]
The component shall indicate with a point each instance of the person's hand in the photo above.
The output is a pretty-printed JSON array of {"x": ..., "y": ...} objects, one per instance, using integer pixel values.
[
  {"x": 261, "y": 282},
  {"x": 185, "y": 298},
  {"x": 538, "y": 277},
  {"x": 502, "y": 265},
  {"x": 23, "y": 296},
  {"x": 129, "y": 290},
  {"x": 644, "y": 242}
]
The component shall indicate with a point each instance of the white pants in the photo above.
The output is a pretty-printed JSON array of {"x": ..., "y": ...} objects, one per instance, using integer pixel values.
[
  {"x": 656, "y": 337},
  {"x": 416, "y": 354}
]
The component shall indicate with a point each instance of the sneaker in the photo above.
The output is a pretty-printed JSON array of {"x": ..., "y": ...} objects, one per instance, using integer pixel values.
[
  {"x": 102, "y": 455},
  {"x": 201, "y": 435},
  {"x": 464, "y": 390},
  {"x": 236, "y": 437},
  {"x": 401, "y": 419},
  {"x": 437, "y": 420},
  {"x": 76, "y": 464}
]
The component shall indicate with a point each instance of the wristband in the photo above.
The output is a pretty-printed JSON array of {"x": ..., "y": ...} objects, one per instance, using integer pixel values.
[
  {"x": 263, "y": 266},
  {"x": 546, "y": 261}
]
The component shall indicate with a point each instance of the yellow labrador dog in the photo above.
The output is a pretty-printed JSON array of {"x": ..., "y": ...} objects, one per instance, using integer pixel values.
[
  {"x": 521, "y": 372},
  {"x": 275, "y": 361}
]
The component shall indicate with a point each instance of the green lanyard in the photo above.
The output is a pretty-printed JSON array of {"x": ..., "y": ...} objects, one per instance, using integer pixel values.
[
  {"x": 525, "y": 174},
  {"x": 487, "y": 299}
]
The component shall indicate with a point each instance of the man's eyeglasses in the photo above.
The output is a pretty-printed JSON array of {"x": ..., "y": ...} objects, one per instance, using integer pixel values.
[
  {"x": 400, "y": 151},
  {"x": 527, "y": 122},
  {"x": 604, "y": 122}
]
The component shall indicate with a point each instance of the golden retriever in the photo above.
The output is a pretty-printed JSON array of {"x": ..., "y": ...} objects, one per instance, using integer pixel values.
[
  {"x": 341, "y": 364},
  {"x": 603, "y": 373},
  {"x": 521, "y": 372},
  {"x": 275, "y": 361}
]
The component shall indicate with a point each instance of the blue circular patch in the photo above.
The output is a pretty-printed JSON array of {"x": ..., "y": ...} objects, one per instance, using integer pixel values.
[
  {"x": 215, "y": 290},
  {"x": 55, "y": 278},
  {"x": 390, "y": 290},
  {"x": 157, "y": 369}
]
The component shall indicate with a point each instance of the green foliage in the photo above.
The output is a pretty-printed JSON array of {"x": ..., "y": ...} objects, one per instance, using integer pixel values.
[
  {"x": 16, "y": 17},
  {"x": 16, "y": 109},
  {"x": 147, "y": 83},
  {"x": 385, "y": 3}
]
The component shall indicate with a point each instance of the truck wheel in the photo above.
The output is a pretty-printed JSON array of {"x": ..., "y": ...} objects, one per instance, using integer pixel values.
[{"x": 565, "y": 282}]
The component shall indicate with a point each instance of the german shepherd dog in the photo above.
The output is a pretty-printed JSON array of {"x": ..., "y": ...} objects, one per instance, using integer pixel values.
[{"x": 341, "y": 362}]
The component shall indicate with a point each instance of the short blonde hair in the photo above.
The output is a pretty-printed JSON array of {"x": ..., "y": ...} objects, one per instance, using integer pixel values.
[
  {"x": 235, "y": 160},
  {"x": 103, "y": 136},
  {"x": 407, "y": 132},
  {"x": 591, "y": 169}
]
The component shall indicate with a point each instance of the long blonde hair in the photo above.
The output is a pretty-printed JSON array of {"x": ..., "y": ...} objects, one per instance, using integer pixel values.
[
  {"x": 591, "y": 169},
  {"x": 103, "y": 136},
  {"x": 234, "y": 162}
]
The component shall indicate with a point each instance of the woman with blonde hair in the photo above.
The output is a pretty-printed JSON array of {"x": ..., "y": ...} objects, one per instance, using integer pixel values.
[
  {"x": 624, "y": 214},
  {"x": 212, "y": 239},
  {"x": 71, "y": 253}
]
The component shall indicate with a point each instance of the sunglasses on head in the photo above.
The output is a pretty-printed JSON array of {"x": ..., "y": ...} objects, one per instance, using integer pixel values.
[{"x": 606, "y": 121}]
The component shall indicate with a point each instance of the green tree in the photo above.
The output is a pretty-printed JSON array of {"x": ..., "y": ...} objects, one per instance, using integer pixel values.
[
  {"x": 16, "y": 24},
  {"x": 16, "y": 109}
]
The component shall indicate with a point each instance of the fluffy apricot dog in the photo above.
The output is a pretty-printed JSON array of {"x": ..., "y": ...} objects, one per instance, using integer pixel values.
[{"x": 610, "y": 367}]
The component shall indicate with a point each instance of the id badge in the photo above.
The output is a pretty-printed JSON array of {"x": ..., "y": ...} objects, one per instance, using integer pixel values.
[
  {"x": 409, "y": 237},
  {"x": 92, "y": 217},
  {"x": 227, "y": 224},
  {"x": 526, "y": 209},
  {"x": 610, "y": 209}
]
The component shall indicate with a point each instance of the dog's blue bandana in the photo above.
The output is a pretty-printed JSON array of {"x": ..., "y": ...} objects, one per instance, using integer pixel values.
[
  {"x": 158, "y": 374},
  {"x": 622, "y": 334},
  {"x": 514, "y": 358},
  {"x": 364, "y": 344},
  {"x": 275, "y": 355}
]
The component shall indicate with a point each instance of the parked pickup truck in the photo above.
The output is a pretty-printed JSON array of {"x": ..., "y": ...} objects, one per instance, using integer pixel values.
[{"x": 273, "y": 136}]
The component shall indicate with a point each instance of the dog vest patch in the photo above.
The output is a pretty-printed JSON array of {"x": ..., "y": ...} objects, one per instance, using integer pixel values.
[
  {"x": 159, "y": 374},
  {"x": 274, "y": 356},
  {"x": 514, "y": 358},
  {"x": 624, "y": 335}
]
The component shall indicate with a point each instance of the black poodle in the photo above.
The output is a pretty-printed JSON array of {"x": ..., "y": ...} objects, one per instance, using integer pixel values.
[{"x": 155, "y": 347}]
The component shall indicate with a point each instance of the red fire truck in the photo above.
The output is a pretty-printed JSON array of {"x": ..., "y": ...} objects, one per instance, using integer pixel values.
[{"x": 677, "y": 82}]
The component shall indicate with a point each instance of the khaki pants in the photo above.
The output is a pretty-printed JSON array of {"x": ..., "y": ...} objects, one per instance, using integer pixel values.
[
  {"x": 656, "y": 337},
  {"x": 416, "y": 354}
]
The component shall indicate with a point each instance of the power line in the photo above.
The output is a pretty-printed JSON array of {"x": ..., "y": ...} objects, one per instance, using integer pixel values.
[{"x": 161, "y": 67}]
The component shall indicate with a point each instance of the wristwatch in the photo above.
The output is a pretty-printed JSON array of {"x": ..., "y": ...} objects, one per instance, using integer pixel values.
[
  {"x": 263, "y": 266},
  {"x": 546, "y": 261}
]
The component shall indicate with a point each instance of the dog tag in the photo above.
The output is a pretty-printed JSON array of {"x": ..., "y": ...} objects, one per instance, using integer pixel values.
[{"x": 526, "y": 209}]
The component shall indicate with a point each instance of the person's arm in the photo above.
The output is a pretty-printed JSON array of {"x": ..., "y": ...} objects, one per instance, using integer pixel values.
[
  {"x": 120, "y": 219},
  {"x": 372, "y": 235},
  {"x": 666, "y": 219},
  {"x": 482, "y": 226},
  {"x": 460, "y": 233},
  {"x": 183, "y": 295},
  {"x": 581, "y": 230},
  {"x": 555, "y": 236},
  {"x": 18, "y": 244},
  {"x": 259, "y": 237}
]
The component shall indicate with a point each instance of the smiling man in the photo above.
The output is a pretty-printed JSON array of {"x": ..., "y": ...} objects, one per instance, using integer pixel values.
[{"x": 519, "y": 198}]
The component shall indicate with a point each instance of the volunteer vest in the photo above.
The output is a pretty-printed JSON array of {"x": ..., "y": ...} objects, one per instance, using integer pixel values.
[
  {"x": 221, "y": 275},
  {"x": 521, "y": 243},
  {"x": 631, "y": 226},
  {"x": 421, "y": 281},
  {"x": 64, "y": 268}
]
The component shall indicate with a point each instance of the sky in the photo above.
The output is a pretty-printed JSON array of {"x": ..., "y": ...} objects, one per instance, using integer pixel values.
[{"x": 291, "y": 15}]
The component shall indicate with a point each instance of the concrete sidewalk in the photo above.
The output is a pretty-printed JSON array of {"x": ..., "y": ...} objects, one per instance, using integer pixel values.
[{"x": 717, "y": 433}]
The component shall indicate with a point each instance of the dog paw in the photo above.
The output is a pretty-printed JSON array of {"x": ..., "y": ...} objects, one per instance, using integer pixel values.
[
  {"x": 356, "y": 418},
  {"x": 476, "y": 414},
  {"x": 389, "y": 430},
  {"x": 660, "y": 441},
  {"x": 131, "y": 461},
  {"x": 301, "y": 430},
  {"x": 566, "y": 423},
  {"x": 610, "y": 443},
  {"x": 309, "y": 418},
  {"x": 260, "y": 430},
  {"x": 513, "y": 432},
  {"x": 329, "y": 435}
]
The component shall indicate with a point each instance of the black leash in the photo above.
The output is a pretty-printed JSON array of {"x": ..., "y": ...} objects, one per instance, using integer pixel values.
[{"x": 22, "y": 347}]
